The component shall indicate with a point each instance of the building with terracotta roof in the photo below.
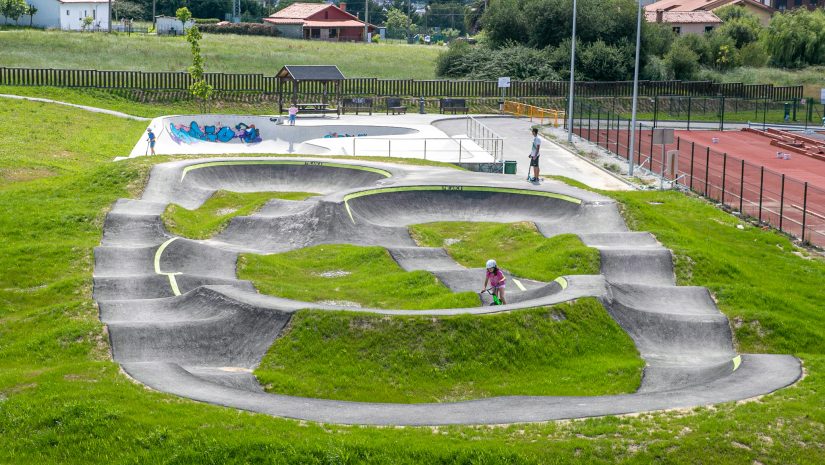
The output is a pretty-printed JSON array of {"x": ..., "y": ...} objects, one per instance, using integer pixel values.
[
  {"x": 685, "y": 22},
  {"x": 318, "y": 21},
  {"x": 759, "y": 9}
]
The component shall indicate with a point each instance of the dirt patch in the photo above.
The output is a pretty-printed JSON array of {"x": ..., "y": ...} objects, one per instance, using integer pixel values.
[
  {"x": 225, "y": 211},
  {"x": 10, "y": 175},
  {"x": 332, "y": 274},
  {"x": 449, "y": 242}
]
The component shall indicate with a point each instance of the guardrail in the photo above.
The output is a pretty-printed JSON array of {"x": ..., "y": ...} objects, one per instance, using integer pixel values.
[
  {"x": 486, "y": 138},
  {"x": 447, "y": 149},
  {"x": 533, "y": 112}
]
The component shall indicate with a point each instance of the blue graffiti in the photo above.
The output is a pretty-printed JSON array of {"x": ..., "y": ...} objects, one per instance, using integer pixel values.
[
  {"x": 334, "y": 135},
  {"x": 194, "y": 133}
]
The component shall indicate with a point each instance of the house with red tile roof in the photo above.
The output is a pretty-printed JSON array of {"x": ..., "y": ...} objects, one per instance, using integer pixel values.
[
  {"x": 685, "y": 22},
  {"x": 761, "y": 10},
  {"x": 318, "y": 21}
]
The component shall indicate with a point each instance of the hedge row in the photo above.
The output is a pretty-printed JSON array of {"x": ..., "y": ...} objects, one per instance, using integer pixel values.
[{"x": 246, "y": 29}]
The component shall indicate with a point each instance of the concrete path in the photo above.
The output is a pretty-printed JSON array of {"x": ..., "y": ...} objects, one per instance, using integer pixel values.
[
  {"x": 82, "y": 107},
  {"x": 181, "y": 322},
  {"x": 555, "y": 160}
]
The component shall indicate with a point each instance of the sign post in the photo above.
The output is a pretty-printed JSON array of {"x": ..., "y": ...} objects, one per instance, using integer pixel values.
[
  {"x": 662, "y": 136},
  {"x": 503, "y": 84}
]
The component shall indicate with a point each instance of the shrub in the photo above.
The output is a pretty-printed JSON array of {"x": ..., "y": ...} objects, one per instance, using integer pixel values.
[
  {"x": 796, "y": 39},
  {"x": 754, "y": 55},
  {"x": 244, "y": 29},
  {"x": 202, "y": 21},
  {"x": 681, "y": 62},
  {"x": 602, "y": 62}
]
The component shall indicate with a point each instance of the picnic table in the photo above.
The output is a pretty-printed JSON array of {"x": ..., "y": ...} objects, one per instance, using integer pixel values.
[{"x": 315, "y": 107}]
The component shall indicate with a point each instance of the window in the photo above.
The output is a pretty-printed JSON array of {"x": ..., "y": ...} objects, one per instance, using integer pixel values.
[
  {"x": 94, "y": 14},
  {"x": 677, "y": 30},
  {"x": 67, "y": 12},
  {"x": 708, "y": 29},
  {"x": 326, "y": 15},
  {"x": 315, "y": 33},
  {"x": 781, "y": 5},
  {"x": 333, "y": 33}
]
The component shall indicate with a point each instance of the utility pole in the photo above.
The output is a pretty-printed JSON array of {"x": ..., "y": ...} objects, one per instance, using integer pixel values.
[
  {"x": 572, "y": 80},
  {"x": 409, "y": 20},
  {"x": 366, "y": 21},
  {"x": 154, "y": 26}
]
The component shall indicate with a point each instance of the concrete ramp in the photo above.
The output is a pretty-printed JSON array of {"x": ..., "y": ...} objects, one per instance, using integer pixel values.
[{"x": 181, "y": 322}]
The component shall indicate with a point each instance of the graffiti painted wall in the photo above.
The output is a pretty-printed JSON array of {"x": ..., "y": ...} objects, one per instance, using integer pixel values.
[{"x": 183, "y": 134}]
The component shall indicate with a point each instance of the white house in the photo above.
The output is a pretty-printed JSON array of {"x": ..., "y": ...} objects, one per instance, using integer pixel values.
[
  {"x": 67, "y": 14},
  {"x": 171, "y": 25}
]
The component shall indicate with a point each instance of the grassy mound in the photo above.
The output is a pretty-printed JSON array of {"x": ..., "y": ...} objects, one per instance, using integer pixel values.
[
  {"x": 214, "y": 215},
  {"x": 519, "y": 248},
  {"x": 570, "y": 349},
  {"x": 347, "y": 275}
]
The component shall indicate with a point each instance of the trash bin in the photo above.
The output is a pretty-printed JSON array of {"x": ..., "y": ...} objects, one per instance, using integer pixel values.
[{"x": 509, "y": 167}]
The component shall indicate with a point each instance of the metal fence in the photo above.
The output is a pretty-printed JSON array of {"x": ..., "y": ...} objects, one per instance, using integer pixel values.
[
  {"x": 486, "y": 138},
  {"x": 790, "y": 205},
  {"x": 366, "y": 87}
]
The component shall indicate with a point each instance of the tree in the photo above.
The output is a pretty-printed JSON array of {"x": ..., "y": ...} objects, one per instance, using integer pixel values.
[
  {"x": 199, "y": 88},
  {"x": 797, "y": 38},
  {"x": 603, "y": 62},
  {"x": 31, "y": 10},
  {"x": 86, "y": 23},
  {"x": 396, "y": 23},
  {"x": 184, "y": 15},
  {"x": 741, "y": 26},
  {"x": 13, "y": 9},
  {"x": 504, "y": 21}
]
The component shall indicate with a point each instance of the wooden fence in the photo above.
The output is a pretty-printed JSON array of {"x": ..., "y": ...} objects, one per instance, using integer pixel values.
[{"x": 258, "y": 83}]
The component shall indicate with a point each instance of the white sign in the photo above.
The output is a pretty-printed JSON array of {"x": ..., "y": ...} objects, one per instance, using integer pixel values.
[
  {"x": 505, "y": 82},
  {"x": 821, "y": 95}
]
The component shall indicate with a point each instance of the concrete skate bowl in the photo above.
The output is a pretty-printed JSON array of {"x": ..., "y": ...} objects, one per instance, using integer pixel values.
[
  {"x": 257, "y": 134},
  {"x": 181, "y": 322}
]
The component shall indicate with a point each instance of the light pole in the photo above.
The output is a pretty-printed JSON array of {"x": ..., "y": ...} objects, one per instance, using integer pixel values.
[
  {"x": 635, "y": 92},
  {"x": 572, "y": 81},
  {"x": 409, "y": 20}
]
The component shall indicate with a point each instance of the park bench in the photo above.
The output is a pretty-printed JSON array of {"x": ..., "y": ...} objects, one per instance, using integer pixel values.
[
  {"x": 395, "y": 105},
  {"x": 356, "y": 104},
  {"x": 452, "y": 105}
]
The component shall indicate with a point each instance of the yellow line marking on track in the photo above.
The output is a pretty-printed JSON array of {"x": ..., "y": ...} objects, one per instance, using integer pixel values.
[
  {"x": 518, "y": 283},
  {"x": 736, "y": 362},
  {"x": 173, "y": 283},
  {"x": 562, "y": 282},
  {"x": 504, "y": 190},
  {"x": 284, "y": 162}
]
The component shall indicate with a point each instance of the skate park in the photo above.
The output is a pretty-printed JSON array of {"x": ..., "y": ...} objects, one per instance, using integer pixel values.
[{"x": 180, "y": 321}]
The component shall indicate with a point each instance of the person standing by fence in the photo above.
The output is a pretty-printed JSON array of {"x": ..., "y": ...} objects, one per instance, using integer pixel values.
[{"x": 293, "y": 112}]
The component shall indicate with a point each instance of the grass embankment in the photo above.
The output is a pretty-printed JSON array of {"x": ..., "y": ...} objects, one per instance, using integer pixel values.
[
  {"x": 518, "y": 248},
  {"x": 569, "y": 349},
  {"x": 63, "y": 401},
  {"x": 348, "y": 275},
  {"x": 216, "y": 213},
  {"x": 223, "y": 53}
]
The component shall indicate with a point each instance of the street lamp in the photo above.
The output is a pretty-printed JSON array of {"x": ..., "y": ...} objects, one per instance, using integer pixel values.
[
  {"x": 635, "y": 92},
  {"x": 572, "y": 68},
  {"x": 366, "y": 21}
]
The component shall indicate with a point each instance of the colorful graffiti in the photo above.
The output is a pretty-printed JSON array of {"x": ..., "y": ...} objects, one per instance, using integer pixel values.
[
  {"x": 333, "y": 135},
  {"x": 248, "y": 134}
]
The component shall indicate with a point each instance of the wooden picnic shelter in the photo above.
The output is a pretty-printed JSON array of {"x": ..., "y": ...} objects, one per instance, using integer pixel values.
[{"x": 296, "y": 79}]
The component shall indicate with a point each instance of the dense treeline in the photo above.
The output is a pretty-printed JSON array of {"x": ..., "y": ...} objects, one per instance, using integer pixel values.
[{"x": 530, "y": 39}]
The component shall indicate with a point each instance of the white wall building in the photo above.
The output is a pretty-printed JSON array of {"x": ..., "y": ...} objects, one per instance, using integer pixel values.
[
  {"x": 170, "y": 25},
  {"x": 66, "y": 14}
]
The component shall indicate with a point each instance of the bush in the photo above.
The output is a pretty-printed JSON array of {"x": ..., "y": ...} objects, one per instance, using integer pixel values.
[
  {"x": 656, "y": 69},
  {"x": 244, "y": 29},
  {"x": 602, "y": 62},
  {"x": 201, "y": 21},
  {"x": 681, "y": 62},
  {"x": 481, "y": 62},
  {"x": 754, "y": 55},
  {"x": 797, "y": 39}
]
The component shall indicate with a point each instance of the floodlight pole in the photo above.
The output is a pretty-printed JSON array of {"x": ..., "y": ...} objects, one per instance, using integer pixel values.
[
  {"x": 635, "y": 92},
  {"x": 572, "y": 80}
]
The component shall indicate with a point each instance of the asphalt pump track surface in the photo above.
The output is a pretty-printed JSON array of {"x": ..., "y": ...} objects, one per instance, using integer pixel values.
[{"x": 181, "y": 322}]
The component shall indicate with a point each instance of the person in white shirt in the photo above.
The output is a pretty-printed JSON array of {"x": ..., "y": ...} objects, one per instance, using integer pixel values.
[{"x": 534, "y": 156}]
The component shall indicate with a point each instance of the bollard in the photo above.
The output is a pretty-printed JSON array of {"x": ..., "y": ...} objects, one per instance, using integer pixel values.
[{"x": 421, "y": 105}]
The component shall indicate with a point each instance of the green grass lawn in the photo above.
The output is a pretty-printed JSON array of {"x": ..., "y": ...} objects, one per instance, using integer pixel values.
[
  {"x": 568, "y": 349},
  {"x": 349, "y": 275},
  {"x": 518, "y": 248},
  {"x": 216, "y": 213},
  {"x": 62, "y": 399},
  {"x": 223, "y": 53}
]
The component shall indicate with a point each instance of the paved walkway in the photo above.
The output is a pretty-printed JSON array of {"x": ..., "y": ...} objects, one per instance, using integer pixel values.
[
  {"x": 554, "y": 160},
  {"x": 82, "y": 107}
]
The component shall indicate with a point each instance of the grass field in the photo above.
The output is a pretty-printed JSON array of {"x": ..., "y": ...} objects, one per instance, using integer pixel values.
[
  {"x": 223, "y": 53},
  {"x": 62, "y": 400},
  {"x": 568, "y": 349},
  {"x": 216, "y": 213}
]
